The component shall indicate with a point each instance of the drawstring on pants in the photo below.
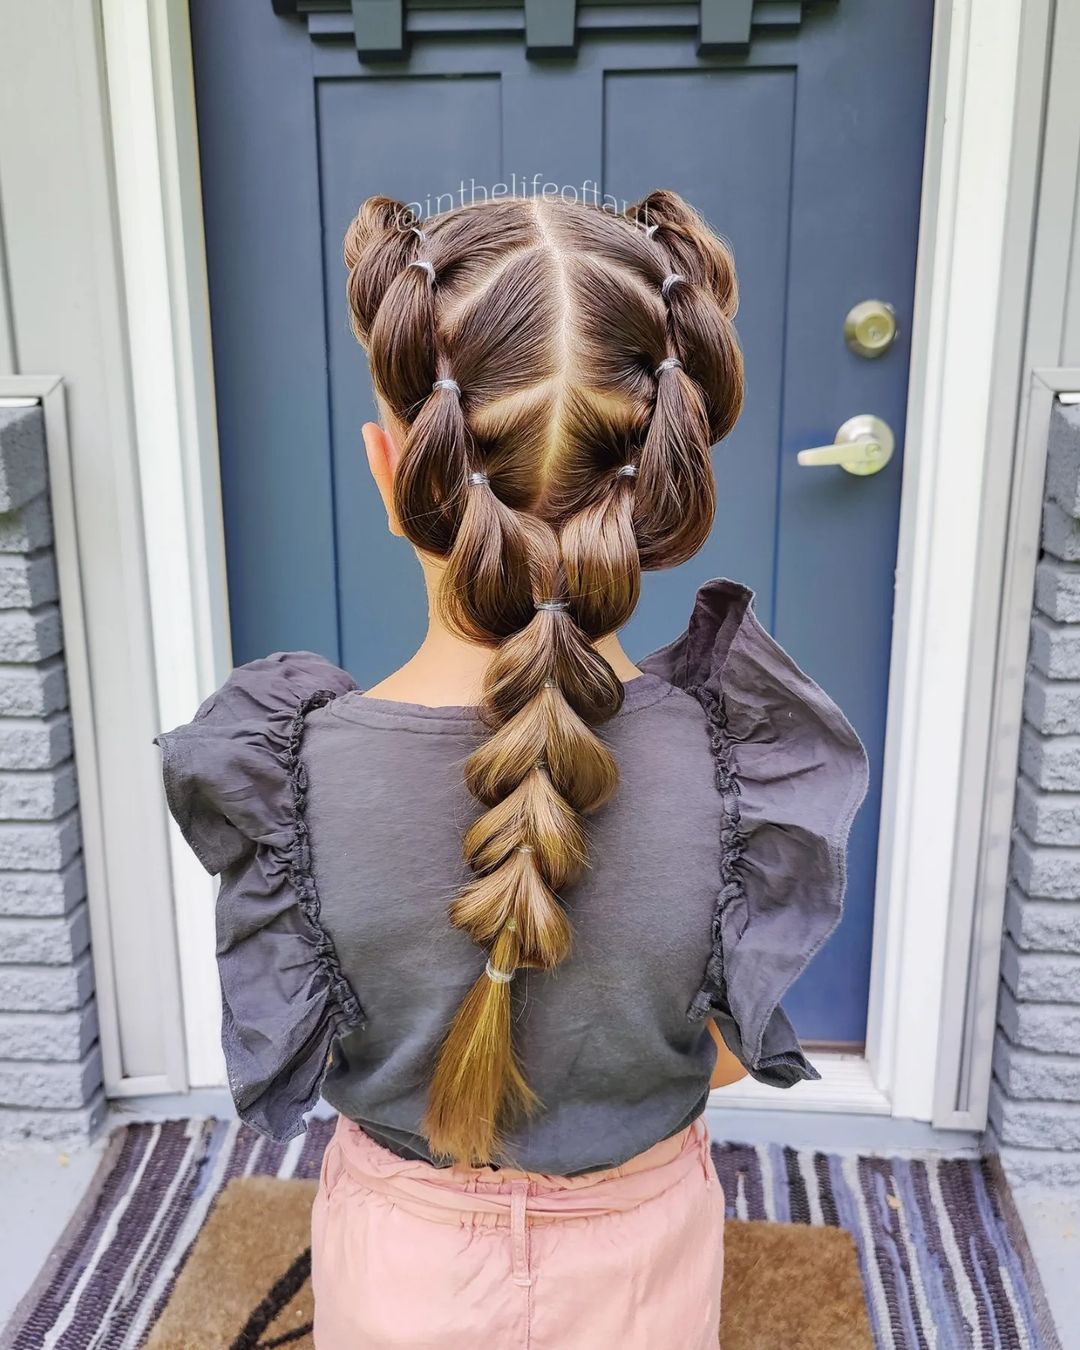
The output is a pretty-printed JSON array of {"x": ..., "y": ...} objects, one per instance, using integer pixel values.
[{"x": 519, "y": 1232}]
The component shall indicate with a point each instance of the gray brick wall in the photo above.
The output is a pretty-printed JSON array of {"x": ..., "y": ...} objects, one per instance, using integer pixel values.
[
  {"x": 50, "y": 1061},
  {"x": 1035, "y": 1095}
]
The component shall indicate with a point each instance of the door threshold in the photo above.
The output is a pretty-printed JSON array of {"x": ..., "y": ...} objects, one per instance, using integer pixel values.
[
  {"x": 846, "y": 1085},
  {"x": 839, "y": 1132}
]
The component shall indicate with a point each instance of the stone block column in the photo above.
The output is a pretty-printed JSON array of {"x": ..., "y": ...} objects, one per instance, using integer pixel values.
[
  {"x": 1035, "y": 1096},
  {"x": 50, "y": 1062}
]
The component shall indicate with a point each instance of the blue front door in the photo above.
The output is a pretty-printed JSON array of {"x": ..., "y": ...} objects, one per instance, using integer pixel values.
[{"x": 804, "y": 148}]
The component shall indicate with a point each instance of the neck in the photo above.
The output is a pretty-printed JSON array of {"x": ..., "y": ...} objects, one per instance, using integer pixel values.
[{"x": 448, "y": 671}]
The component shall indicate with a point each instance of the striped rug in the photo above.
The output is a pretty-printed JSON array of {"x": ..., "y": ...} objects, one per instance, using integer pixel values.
[{"x": 943, "y": 1261}]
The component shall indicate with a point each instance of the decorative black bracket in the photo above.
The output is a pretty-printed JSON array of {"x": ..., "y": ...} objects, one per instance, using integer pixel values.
[
  {"x": 725, "y": 26},
  {"x": 379, "y": 26},
  {"x": 550, "y": 27}
]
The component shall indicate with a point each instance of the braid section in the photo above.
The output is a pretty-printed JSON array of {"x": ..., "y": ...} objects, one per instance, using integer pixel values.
[{"x": 539, "y": 772}]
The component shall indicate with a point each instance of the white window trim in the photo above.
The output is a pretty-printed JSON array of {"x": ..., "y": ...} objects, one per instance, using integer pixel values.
[{"x": 962, "y": 291}]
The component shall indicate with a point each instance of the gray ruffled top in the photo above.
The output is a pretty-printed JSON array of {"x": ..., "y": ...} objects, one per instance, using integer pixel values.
[{"x": 335, "y": 821}]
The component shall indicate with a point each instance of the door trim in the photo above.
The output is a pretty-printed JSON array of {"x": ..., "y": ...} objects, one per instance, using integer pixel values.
[
  {"x": 967, "y": 348},
  {"x": 64, "y": 302},
  {"x": 963, "y": 288},
  {"x": 159, "y": 206}
]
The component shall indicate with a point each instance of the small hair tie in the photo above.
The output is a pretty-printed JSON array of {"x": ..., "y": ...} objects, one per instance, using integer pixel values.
[
  {"x": 525, "y": 848},
  {"x": 626, "y": 471},
  {"x": 425, "y": 266},
  {"x": 478, "y": 479},
  {"x": 498, "y": 976},
  {"x": 451, "y": 385},
  {"x": 548, "y": 684},
  {"x": 552, "y": 605},
  {"x": 415, "y": 229},
  {"x": 672, "y": 279},
  {"x": 650, "y": 230},
  {"x": 669, "y": 363}
]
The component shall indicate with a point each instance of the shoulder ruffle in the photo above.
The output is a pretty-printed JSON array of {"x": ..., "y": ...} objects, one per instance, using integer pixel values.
[
  {"x": 235, "y": 783},
  {"x": 791, "y": 773}
]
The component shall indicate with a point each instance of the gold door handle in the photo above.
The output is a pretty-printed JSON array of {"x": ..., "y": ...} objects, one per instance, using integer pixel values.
[{"x": 864, "y": 445}]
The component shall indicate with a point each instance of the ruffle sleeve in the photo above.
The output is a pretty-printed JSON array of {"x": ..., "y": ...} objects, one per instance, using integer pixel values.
[
  {"x": 791, "y": 773},
  {"x": 235, "y": 783}
]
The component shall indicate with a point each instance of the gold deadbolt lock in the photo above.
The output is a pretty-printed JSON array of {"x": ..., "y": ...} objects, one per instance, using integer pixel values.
[{"x": 870, "y": 328}]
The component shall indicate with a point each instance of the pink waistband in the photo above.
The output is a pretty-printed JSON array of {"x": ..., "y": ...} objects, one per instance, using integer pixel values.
[
  {"x": 449, "y": 1193},
  {"x": 508, "y": 1198}
]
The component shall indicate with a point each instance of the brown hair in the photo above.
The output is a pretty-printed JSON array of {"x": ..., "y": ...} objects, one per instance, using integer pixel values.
[{"x": 532, "y": 349}]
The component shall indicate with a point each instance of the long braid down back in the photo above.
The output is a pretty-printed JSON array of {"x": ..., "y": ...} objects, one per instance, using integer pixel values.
[{"x": 560, "y": 374}]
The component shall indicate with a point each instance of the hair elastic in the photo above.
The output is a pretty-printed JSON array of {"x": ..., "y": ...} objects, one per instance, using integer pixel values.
[
  {"x": 452, "y": 385},
  {"x": 425, "y": 266},
  {"x": 498, "y": 976},
  {"x": 552, "y": 605},
  {"x": 525, "y": 848},
  {"x": 478, "y": 479},
  {"x": 669, "y": 363},
  {"x": 672, "y": 279},
  {"x": 626, "y": 471}
]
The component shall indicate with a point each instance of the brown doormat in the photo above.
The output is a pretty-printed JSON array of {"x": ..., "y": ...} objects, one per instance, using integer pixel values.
[
  {"x": 790, "y": 1285},
  {"x": 246, "y": 1283}
]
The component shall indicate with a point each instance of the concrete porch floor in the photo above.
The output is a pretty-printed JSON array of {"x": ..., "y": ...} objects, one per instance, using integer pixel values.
[
  {"x": 42, "y": 1184},
  {"x": 1051, "y": 1220}
]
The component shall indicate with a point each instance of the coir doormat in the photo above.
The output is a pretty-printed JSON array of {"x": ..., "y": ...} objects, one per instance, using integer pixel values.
[{"x": 195, "y": 1233}]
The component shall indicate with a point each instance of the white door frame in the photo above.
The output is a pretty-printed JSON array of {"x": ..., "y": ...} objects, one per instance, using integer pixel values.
[
  {"x": 63, "y": 319},
  {"x": 159, "y": 208},
  {"x": 966, "y": 289}
]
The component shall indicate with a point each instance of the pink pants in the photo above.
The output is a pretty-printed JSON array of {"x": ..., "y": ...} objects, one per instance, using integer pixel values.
[{"x": 409, "y": 1255}]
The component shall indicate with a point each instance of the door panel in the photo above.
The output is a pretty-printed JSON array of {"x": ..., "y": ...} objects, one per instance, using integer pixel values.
[
  {"x": 804, "y": 150},
  {"x": 263, "y": 229},
  {"x": 381, "y": 624},
  {"x": 710, "y": 172}
]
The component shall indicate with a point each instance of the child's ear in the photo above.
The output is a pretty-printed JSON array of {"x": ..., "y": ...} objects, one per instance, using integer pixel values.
[{"x": 382, "y": 456}]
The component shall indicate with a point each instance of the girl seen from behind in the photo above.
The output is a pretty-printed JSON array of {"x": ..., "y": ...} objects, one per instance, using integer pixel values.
[{"x": 511, "y": 910}]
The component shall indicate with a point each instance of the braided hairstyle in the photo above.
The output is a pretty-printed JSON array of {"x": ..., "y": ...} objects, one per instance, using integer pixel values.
[{"x": 559, "y": 374}]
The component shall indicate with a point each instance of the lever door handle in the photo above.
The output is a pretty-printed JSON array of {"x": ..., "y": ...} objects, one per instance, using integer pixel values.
[{"x": 864, "y": 445}]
